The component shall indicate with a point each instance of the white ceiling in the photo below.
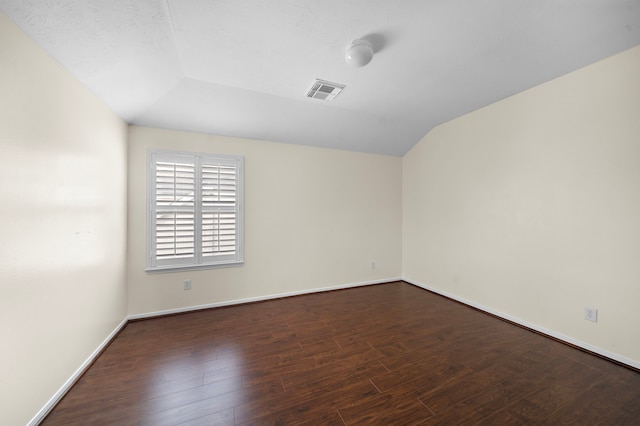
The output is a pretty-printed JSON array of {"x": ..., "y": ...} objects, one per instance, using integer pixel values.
[{"x": 242, "y": 67}]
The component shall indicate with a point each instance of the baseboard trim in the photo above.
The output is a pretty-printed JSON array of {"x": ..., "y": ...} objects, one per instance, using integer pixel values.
[
  {"x": 542, "y": 330},
  {"x": 255, "y": 299},
  {"x": 75, "y": 376}
]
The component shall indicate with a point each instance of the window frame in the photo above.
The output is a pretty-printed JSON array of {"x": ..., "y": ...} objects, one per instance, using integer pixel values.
[{"x": 198, "y": 260}]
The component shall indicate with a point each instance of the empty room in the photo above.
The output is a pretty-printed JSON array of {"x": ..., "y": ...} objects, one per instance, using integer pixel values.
[{"x": 319, "y": 212}]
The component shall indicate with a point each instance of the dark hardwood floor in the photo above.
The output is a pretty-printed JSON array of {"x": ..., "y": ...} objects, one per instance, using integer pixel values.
[{"x": 383, "y": 354}]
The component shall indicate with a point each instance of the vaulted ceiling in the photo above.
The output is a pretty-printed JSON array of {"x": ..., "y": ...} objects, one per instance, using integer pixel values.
[{"x": 242, "y": 67}]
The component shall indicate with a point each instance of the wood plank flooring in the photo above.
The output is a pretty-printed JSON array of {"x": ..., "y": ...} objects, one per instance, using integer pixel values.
[{"x": 384, "y": 354}]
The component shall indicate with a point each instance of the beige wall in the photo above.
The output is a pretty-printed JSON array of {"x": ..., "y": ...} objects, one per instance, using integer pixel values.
[
  {"x": 314, "y": 218},
  {"x": 530, "y": 207},
  {"x": 62, "y": 221}
]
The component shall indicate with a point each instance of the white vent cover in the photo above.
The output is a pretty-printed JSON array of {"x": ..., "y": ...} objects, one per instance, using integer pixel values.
[{"x": 324, "y": 90}]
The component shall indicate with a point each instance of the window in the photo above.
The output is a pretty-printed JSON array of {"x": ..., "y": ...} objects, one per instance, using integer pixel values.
[{"x": 194, "y": 210}]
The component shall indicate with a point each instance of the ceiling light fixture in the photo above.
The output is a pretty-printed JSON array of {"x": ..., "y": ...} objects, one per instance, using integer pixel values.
[{"x": 359, "y": 53}]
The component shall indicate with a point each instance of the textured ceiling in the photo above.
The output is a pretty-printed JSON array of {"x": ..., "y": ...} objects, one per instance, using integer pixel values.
[{"x": 241, "y": 68}]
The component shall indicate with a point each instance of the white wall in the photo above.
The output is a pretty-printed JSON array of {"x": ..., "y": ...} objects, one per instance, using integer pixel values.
[
  {"x": 530, "y": 207},
  {"x": 314, "y": 218},
  {"x": 62, "y": 222}
]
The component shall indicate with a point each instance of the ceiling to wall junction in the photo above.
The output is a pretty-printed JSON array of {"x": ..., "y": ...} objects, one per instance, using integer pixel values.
[{"x": 241, "y": 68}]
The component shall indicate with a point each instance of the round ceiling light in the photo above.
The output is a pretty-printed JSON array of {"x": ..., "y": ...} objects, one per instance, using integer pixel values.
[{"x": 359, "y": 53}]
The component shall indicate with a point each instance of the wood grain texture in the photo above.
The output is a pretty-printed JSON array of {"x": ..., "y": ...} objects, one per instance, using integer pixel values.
[{"x": 383, "y": 354}]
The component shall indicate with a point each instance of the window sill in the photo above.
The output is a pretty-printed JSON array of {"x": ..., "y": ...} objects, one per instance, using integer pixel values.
[{"x": 175, "y": 268}]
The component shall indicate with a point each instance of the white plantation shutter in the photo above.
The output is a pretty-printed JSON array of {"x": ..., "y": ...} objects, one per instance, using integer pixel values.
[
  {"x": 195, "y": 210},
  {"x": 174, "y": 210},
  {"x": 219, "y": 200}
]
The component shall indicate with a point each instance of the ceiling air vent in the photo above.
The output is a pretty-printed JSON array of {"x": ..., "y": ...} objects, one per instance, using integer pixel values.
[{"x": 324, "y": 90}]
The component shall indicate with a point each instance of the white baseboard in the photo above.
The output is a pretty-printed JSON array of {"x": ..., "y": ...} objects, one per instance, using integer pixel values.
[
  {"x": 551, "y": 333},
  {"x": 257, "y": 299},
  {"x": 74, "y": 377}
]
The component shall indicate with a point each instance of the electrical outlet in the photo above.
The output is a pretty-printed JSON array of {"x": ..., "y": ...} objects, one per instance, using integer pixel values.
[
  {"x": 187, "y": 284},
  {"x": 373, "y": 264},
  {"x": 591, "y": 314}
]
